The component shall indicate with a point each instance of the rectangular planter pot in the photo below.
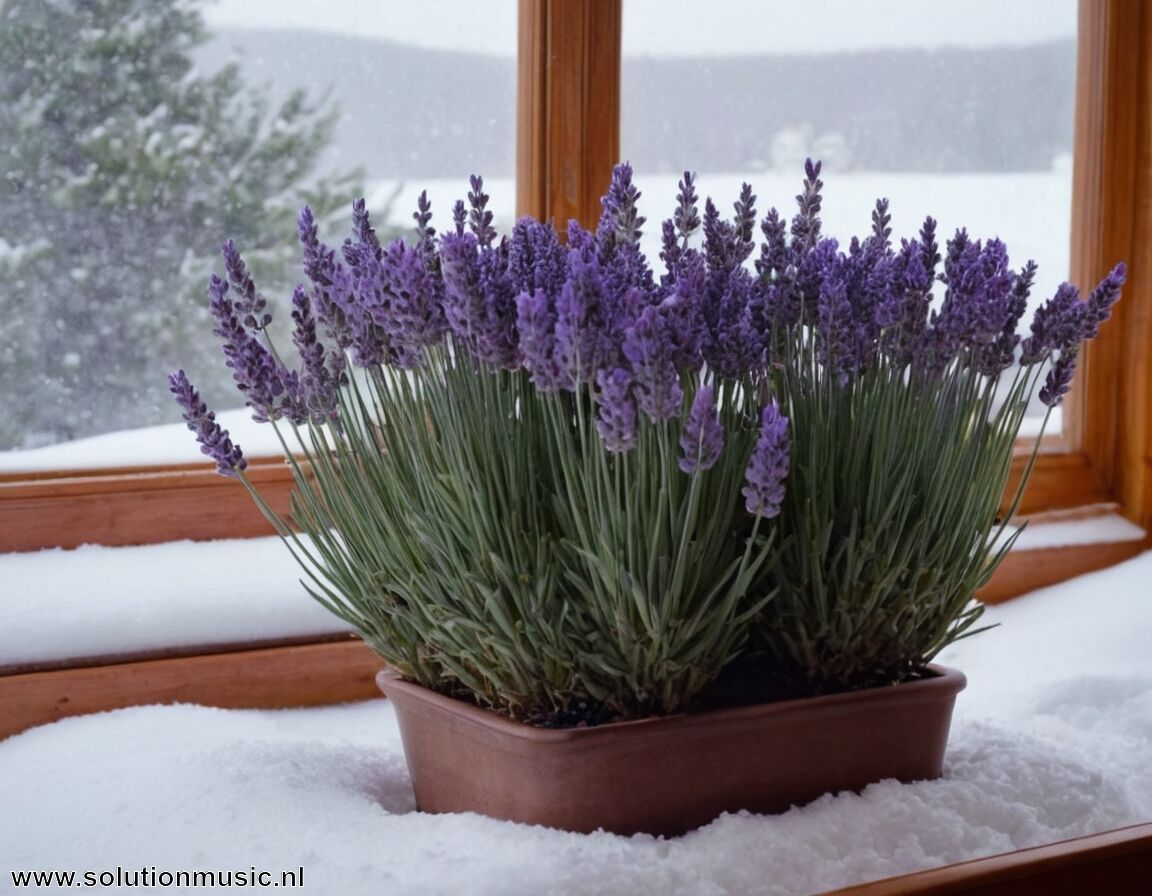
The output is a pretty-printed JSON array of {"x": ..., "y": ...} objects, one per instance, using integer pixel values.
[{"x": 670, "y": 774}]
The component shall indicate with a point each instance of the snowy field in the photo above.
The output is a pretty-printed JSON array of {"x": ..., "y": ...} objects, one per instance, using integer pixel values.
[
  {"x": 1028, "y": 210},
  {"x": 1050, "y": 741}
]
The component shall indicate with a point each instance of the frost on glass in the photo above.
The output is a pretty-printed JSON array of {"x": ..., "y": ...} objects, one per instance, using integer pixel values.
[
  {"x": 965, "y": 114},
  {"x": 137, "y": 135}
]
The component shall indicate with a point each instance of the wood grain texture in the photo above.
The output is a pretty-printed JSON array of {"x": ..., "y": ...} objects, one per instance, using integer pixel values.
[
  {"x": 303, "y": 675},
  {"x": 569, "y": 107},
  {"x": 1112, "y": 221},
  {"x": 1024, "y": 571},
  {"x": 136, "y": 507},
  {"x": 1115, "y": 863},
  {"x": 1059, "y": 480}
]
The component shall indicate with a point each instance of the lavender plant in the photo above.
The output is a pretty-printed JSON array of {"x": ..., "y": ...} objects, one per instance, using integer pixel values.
[
  {"x": 541, "y": 476},
  {"x": 544, "y": 481},
  {"x": 904, "y": 417}
]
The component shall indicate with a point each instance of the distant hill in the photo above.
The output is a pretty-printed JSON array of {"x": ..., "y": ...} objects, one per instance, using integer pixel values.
[{"x": 410, "y": 112}]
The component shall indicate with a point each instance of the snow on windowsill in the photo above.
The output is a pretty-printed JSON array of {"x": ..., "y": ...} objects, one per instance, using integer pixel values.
[
  {"x": 1049, "y": 742},
  {"x": 1105, "y": 528},
  {"x": 100, "y": 601},
  {"x": 147, "y": 446}
]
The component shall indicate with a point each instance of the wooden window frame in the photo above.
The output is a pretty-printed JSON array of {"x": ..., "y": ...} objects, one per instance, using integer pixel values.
[{"x": 567, "y": 140}]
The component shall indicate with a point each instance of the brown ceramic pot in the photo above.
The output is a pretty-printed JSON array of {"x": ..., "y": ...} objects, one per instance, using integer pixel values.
[{"x": 670, "y": 774}]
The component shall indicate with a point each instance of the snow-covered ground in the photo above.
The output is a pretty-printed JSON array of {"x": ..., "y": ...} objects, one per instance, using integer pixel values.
[
  {"x": 1050, "y": 741},
  {"x": 1029, "y": 210}
]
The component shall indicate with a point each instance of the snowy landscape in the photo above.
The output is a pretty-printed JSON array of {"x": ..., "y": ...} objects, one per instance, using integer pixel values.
[{"x": 1050, "y": 741}]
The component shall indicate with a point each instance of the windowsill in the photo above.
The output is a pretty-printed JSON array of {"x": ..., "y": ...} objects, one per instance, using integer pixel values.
[
  {"x": 98, "y": 605},
  {"x": 1042, "y": 751}
]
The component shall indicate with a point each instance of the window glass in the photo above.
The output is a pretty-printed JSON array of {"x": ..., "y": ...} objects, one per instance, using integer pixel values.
[
  {"x": 137, "y": 135},
  {"x": 963, "y": 112}
]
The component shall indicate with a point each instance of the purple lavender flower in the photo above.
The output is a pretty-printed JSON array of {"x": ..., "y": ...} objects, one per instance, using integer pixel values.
[
  {"x": 806, "y": 223},
  {"x": 744, "y": 223},
  {"x": 536, "y": 321},
  {"x": 1057, "y": 325},
  {"x": 768, "y": 466},
  {"x": 649, "y": 350},
  {"x": 805, "y": 283},
  {"x": 670, "y": 252},
  {"x": 363, "y": 302},
  {"x": 978, "y": 300},
  {"x": 362, "y": 228},
  {"x": 249, "y": 304},
  {"x": 584, "y": 340},
  {"x": 330, "y": 281},
  {"x": 463, "y": 301},
  {"x": 623, "y": 265},
  {"x": 425, "y": 232},
  {"x": 616, "y": 420},
  {"x": 977, "y": 307},
  {"x": 731, "y": 347},
  {"x": 214, "y": 439},
  {"x": 256, "y": 372},
  {"x": 620, "y": 221},
  {"x": 1059, "y": 379},
  {"x": 686, "y": 217},
  {"x": 996, "y": 357},
  {"x": 1101, "y": 300},
  {"x": 871, "y": 275},
  {"x": 581, "y": 242},
  {"x": 720, "y": 240},
  {"x": 323, "y": 374},
  {"x": 676, "y": 231},
  {"x": 536, "y": 259},
  {"x": 681, "y": 310},
  {"x": 459, "y": 216},
  {"x": 903, "y": 313},
  {"x": 774, "y": 258},
  {"x": 499, "y": 342},
  {"x": 881, "y": 232},
  {"x": 480, "y": 298},
  {"x": 836, "y": 333},
  {"x": 479, "y": 217},
  {"x": 408, "y": 304},
  {"x": 930, "y": 250},
  {"x": 702, "y": 438}
]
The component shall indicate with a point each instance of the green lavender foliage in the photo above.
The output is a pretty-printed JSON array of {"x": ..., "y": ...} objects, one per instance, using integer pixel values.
[
  {"x": 483, "y": 542},
  {"x": 892, "y": 516}
]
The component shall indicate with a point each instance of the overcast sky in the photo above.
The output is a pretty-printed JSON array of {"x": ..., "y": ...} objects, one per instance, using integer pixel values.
[{"x": 681, "y": 27}]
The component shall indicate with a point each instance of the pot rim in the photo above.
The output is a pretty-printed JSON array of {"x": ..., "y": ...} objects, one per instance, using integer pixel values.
[{"x": 945, "y": 683}]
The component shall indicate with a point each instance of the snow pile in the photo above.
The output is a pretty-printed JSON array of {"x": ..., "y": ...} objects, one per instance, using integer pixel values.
[
  {"x": 1050, "y": 742},
  {"x": 100, "y": 601}
]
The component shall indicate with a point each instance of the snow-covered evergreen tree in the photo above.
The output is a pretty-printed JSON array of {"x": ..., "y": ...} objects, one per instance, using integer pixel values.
[{"x": 122, "y": 169}]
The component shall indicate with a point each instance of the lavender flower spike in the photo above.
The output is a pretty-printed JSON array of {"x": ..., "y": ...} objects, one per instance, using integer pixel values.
[
  {"x": 1059, "y": 379},
  {"x": 213, "y": 438},
  {"x": 616, "y": 421},
  {"x": 536, "y": 321},
  {"x": 249, "y": 303},
  {"x": 1101, "y": 300},
  {"x": 768, "y": 466},
  {"x": 702, "y": 439}
]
